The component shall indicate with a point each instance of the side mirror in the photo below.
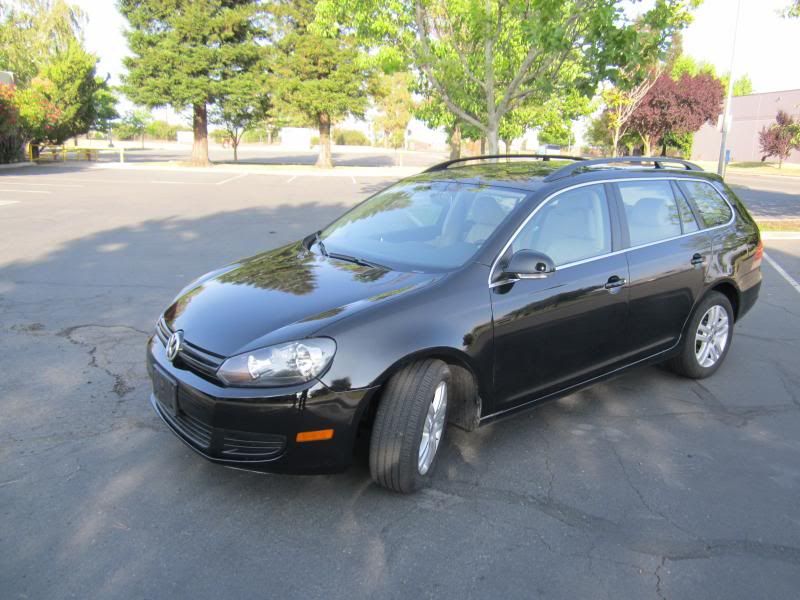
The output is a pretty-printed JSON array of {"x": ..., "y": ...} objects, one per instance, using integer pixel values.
[{"x": 527, "y": 264}]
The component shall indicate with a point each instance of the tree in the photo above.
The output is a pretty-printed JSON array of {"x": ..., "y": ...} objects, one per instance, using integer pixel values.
[
  {"x": 187, "y": 54},
  {"x": 793, "y": 10},
  {"x": 676, "y": 107},
  {"x": 60, "y": 101},
  {"x": 780, "y": 138},
  {"x": 435, "y": 114},
  {"x": 323, "y": 78},
  {"x": 34, "y": 32},
  {"x": 10, "y": 132},
  {"x": 394, "y": 100},
  {"x": 241, "y": 106},
  {"x": 508, "y": 53},
  {"x": 105, "y": 108},
  {"x": 134, "y": 124}
]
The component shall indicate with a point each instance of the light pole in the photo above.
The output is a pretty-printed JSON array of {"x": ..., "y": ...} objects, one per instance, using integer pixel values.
[{"x": 726, "y": 115}]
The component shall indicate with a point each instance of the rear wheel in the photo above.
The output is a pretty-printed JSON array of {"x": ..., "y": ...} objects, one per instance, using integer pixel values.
[
  {"x": 707, "y": 339},
  {"x": 409, "y": 426}
]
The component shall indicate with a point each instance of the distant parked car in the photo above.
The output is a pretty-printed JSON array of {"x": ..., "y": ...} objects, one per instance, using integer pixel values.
[{"x": 454, "y": 297}]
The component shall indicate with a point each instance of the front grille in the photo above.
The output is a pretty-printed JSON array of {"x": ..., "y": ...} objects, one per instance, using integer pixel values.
[
  {"x": 192, "y": 428},
  {"x": 192, "y": 357},
  {"x": 240, "y": 445}
]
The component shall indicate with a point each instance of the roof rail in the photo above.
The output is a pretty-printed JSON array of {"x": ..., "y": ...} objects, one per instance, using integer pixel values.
[
  {"x": 445, "y": 165},
  {"x": 658, "y": 162}
]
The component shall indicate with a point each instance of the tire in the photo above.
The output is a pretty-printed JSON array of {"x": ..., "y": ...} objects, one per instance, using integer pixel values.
[
  {"x": 396, "y": 454},
  {"x": 695, "y": 360}
]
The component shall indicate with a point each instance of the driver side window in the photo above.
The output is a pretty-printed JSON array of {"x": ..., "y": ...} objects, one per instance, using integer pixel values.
[{"x": 572, "y": 226}]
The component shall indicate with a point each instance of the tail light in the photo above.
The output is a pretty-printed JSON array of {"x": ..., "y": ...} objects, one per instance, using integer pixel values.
[{"x": 758, "y": 255}]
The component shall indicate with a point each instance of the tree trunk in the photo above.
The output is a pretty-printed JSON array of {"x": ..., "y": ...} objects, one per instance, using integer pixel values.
[
  {"x": 483, "y": 145},
  {"x": 235, "y": 144},
  {"x": 455, "y": 142},
  {"x": 508, "y": 146},
  {"x": 269, "y": 137},
  {"x": 615, "y": 142},
  {"x": 143, "y": 140},
  {"x": 200, "y": 126},
  {"x": 646, "y": 148},
  {"x": 492, "y": 138},
  {"x": 324, "y": 160}
]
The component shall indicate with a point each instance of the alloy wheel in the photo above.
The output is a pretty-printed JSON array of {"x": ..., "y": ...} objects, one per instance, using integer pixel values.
[
  {"x": 712, "y": 336},
  {"x": 432, "y": 429}
]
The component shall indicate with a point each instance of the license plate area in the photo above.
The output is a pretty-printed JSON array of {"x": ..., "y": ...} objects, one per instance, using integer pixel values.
[{"x": 165, "y": 388}]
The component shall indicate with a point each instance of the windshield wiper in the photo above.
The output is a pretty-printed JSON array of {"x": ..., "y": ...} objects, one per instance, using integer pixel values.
[
  {"x": 358, "y": 261},
  {"x": 320, "y": 243}
]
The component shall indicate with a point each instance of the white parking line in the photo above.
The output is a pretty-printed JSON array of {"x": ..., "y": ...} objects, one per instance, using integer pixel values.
[
  {"x": 292, "y": 178},
  {"x": 7, "y": 202},
  {"x": 783, "y": 273},
  {"x": 27, "y": 191},
  {"x": 229, "y": 179},
  {"x": 63, "y": 185},
  {"x": 353, "y": 178},
  {"x": 165, "y": 181}
]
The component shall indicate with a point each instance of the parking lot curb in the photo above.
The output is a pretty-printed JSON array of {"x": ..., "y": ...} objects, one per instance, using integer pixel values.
[{"x": 780, "y": 235}]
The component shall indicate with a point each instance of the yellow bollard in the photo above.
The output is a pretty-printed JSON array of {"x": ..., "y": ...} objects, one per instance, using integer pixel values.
[{"x": 63, "y": 154}]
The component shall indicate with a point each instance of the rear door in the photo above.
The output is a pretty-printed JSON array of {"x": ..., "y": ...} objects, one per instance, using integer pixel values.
[
  {"x": 564, "y": 328},
  {"x": 668, "y": 258}
]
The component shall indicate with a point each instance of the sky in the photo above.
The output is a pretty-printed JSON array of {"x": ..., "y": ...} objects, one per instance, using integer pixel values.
[{"x": 765, "y": 50}]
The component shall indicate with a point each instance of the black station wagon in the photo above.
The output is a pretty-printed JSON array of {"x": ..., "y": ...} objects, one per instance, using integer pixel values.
[{"x": 474, "y": 289}]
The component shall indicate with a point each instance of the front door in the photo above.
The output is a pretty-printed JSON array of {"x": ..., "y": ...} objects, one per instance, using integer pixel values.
[{"x": 565, "y": 328}]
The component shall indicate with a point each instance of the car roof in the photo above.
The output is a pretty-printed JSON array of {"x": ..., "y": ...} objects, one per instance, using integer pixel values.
[{"x": 534, "y": 174}]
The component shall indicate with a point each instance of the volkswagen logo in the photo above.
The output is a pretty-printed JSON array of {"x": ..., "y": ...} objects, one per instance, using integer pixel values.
[{"x": 174, "y": 345}]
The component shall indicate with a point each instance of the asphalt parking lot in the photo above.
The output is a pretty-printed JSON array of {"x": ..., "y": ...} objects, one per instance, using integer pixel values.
[{"x": 647, "y": 486}]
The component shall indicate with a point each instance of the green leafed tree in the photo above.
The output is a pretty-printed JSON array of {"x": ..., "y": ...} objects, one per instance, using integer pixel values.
[
  {"x": 187, "y": 53},
  {"x": 105, "y": 107},
  {"x": 34, "y": 32},
  {"x": 243, "y": 103},
  {"x": 510, "y": 53},
  {"x": 320, "y": 76},
  {"x": 60, "y": 101},
  {"x": 396, "y": 103},
  {"x": 134, "y": 125}
]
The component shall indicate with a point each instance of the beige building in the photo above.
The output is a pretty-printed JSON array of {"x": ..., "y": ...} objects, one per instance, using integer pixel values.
[{"x": 749, "y": 115}]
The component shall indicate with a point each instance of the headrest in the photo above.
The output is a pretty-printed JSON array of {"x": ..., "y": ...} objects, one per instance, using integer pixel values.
[{"x": 486, "y": 211}]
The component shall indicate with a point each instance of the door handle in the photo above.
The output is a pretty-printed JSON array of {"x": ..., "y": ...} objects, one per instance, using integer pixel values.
[
  {"x": 698, "y": 259},
  {"x": 615, "y": 281}
]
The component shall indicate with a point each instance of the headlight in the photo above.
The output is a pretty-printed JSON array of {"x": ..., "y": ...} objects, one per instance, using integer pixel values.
[{"x": 282, "y": 364}]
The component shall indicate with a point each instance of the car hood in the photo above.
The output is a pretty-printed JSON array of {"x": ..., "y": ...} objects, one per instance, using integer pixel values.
[{"x": 280, "y": 295}]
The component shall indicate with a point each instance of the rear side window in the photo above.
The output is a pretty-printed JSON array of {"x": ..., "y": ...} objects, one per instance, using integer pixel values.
[
  {"x": 651, "y": 211},
  {"x": 572, "y": 226},
  {"x": 687, "y": 217},
  {"x": 712, "y": 207}
]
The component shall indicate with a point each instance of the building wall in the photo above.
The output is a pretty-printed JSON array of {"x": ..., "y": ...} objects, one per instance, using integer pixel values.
[{"x": 749, "y": 115}]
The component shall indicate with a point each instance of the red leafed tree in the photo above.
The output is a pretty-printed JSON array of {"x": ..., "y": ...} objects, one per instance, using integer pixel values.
[
  {"x": 780, "y": 138},
  {"x": 676, "y": 107}
]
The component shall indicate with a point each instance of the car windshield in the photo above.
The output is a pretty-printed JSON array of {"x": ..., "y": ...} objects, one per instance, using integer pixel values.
[{"x": 422, "y": 225}]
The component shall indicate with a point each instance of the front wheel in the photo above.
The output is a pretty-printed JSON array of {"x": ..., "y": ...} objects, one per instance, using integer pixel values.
[
  {"x": 409, "y": 426},
  {"x": 707, "y": 339}
]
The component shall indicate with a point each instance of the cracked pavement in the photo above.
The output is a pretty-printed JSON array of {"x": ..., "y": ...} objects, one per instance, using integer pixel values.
[{"x": 646, "y": 486}]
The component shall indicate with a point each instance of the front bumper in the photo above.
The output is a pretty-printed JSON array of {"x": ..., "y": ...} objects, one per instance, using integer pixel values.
[{"x": 255, "y": 429}]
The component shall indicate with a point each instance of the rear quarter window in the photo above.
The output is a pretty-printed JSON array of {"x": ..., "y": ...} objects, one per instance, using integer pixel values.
[{"x": 713, "y": 208}]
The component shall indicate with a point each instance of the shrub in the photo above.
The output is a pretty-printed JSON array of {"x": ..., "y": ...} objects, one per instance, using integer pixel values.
[
  {"x": 349, "y": 137},
  {"x": 10, "y": 133},
  {"x": 161, "y": 130}
]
